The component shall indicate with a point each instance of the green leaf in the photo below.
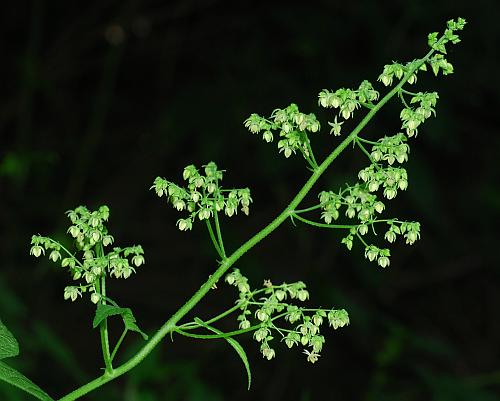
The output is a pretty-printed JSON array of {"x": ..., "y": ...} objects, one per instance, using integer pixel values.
[
  {"x": 8, "y": 348},
  {"x": 104, "y": 311},
  {"x": 129, "y": 321},
  {"x": 235, "y": 344},
  {"x": 16, "y": 379},
  {"x": 8, "y": 344}
]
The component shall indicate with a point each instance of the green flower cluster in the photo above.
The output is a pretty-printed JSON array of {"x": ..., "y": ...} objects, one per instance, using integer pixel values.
[
  {"x": 438, "y": 61},
  {"x": 398, "y": 71},
  {"x": 272, "y": 305},
  {"x": 292, "y": 125},
  {"x": 391, "y": 149},
  {"x": 357, "y": 201},
  {"x": 389, "y": 178},
  {"x": 413, "y": 117},
  {"x": 91, "y": 237},
  {"x": 347, "y": 100},
  {"x": 203, "y": 197},
  {"x": 409, "y": 230}
]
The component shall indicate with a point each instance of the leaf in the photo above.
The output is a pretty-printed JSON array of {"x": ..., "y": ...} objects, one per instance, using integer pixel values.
[
  {"x": 9, "y": 347},
  {"x": 13, "y": 377},
  {"x": 8, "y": 344},
  {"x": 104, "y": 311},
  {"x": 129, "y": 321},
  {"x": 235, "y": 344}
]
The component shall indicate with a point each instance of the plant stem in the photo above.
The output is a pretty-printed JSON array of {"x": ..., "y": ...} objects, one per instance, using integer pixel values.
[
  {"x": 103, "y": 328},
  {"x": 309, "y": 209},
  {"x": 365, "y": 151},
  {"x": 312, "y": 160},
  {"x": 323, "y": 225},
  {"x": 120, "y": 340},
  {"x": 65, "y": 250},
  {"x": 212, "y": 237},
  {"x": 219, "y": 235},
  {"x": 194, "y": 325},
  {"x": 170, "y": 324},
  {"x": 359, "y": 138}
]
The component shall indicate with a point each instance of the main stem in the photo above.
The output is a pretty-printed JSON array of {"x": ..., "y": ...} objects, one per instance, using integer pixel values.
[
  {"x": 103, "y": 326},
  {"x": 170, "y": 324}
]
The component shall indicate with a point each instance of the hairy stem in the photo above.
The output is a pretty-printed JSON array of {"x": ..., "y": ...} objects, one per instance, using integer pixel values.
[{"x": 170, "y": 324}]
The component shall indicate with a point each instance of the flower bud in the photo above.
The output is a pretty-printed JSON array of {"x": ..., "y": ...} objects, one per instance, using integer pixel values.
[
  {"x": 379, "y": 207},
  {"x": 261, "y": 315},
  {"x": 304, "y": 340},
  {"x": 95, "y": 297},
  {"x": 138, "y": 260},
  {"x": 96, "y": 235},
  {"x": 303, "y": 295},
  {"x": 244, "y": 324},
  {"x": 364, "y": 214},
  {"x": 350, "y": 212},
  {"x": 107, "y": 240},
  {"x": 74, "y": 231},
  {"x": 390, "y": 236},
  {"x": 267, "y": 136},
  {"x": 373, "y": 186},
  {"x": 280, "y": 295},
  {"x": 411, "y": 237},
  {"x": 403, "y": 184},
  {"x": 390, "y": 193},
  {"x": 383, "y": 261},
  {"x": 37, "y": 250},
  {"x": 317, "y": 320},
  {"x": 94, "y": 221},
  {"x": 363, "y": 229}
]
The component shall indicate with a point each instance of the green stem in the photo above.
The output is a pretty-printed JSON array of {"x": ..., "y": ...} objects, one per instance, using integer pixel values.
[
  {"x": 120, "y": 340},
  {"x": 361, "y": 239},
  {"x": 367, "y": 141},
  {"x": 219, "y": 235},
  {"x": 103, "y": 328},
  {"x": 400, "y": 94},
  {"x": 323, "y": 225},
  {"x": 194, "y": 325},
  {"x": 309, "y": 209},
  {"x": 312, "y": 160},
  {"x": 214, "y": 240},
  {"x": 365, "y": 151},
  {"x": 65, "y": 250},
  {"x": 408, "y": 92},
  {"x": 170, "y": 324},
  {"x": 213, "y": 336},
  {"x": 367, "y": 105}
]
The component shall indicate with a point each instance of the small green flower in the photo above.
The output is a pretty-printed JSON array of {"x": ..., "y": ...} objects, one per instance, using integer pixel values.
[
  {"x": 311, "y": 356},
  {"x": 71, "y": 293},
  {"x": 95, "y": 297},
  {"x": 37, "y": 251},
  {"x": 138, "y": 260},
  {"x": 338, "y": 318}
]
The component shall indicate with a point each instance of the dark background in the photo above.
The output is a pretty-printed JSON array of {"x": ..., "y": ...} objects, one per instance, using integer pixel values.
[{"x": 100, "y": 97}]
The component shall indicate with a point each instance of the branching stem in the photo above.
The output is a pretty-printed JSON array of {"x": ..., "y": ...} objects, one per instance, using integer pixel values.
[{"x": 170, "y": 325}]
